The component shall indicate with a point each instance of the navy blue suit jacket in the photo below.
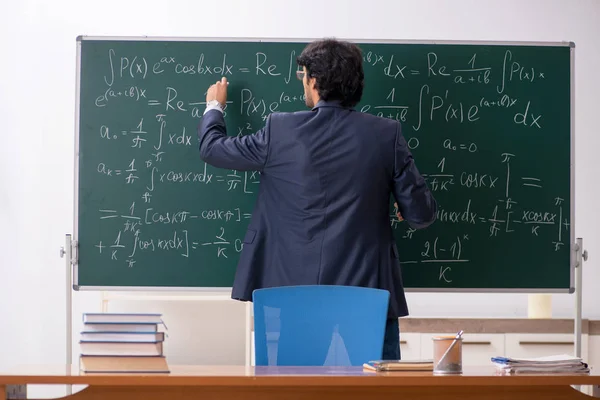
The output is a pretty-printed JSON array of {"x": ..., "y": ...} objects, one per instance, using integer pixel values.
[{"x": 322, "y": 211}]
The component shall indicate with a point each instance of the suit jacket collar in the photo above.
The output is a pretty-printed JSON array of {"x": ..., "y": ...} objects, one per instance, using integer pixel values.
[{"x": 329, "y": 103}]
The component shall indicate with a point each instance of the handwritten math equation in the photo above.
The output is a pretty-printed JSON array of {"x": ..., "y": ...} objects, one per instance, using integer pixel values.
[{"x": 432, "y": 104}]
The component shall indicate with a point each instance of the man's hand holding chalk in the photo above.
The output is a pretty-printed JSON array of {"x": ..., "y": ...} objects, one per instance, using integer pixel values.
[{"x": 218, "y": 91}]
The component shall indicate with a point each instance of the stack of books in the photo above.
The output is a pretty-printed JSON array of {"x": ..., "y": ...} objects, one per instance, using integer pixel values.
[
  {"x": 558, "y": 364},
  {"x": 117, "y": 342}
]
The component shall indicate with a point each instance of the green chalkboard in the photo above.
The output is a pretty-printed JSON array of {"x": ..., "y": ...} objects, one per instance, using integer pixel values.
[{"x": 490, "y": 126}]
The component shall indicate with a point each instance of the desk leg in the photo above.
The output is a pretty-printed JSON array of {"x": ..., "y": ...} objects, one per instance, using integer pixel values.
[{"x": 2, "y": 392}]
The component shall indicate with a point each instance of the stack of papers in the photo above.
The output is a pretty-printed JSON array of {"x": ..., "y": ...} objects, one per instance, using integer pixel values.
[{"x": 558, "y": 364}]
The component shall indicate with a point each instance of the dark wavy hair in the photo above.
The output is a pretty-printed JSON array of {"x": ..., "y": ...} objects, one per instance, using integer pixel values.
[{"x": 337, "y": 67}]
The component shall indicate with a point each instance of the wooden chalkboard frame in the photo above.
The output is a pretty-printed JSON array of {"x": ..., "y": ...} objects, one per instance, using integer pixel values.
[{"x": 72, "y": 253}]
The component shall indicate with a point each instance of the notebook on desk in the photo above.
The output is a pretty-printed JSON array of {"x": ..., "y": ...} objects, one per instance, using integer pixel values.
[{"x": 399, "y": 365}]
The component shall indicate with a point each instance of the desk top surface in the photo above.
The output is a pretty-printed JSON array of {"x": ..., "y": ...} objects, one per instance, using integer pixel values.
[{"x": 219, "y": 375}]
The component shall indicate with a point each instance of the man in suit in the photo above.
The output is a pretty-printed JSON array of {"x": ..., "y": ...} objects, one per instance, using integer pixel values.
[{"x": 327, "y": 174}]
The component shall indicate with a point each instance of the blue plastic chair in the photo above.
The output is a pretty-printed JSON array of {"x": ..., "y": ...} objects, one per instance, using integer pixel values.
[{"x": 319, "y": 325}]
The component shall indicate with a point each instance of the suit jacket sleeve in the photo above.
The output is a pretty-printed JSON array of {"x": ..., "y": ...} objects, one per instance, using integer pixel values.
[
  {"x": 415, "y": 201},
  {"x": 248, "y": 152}
]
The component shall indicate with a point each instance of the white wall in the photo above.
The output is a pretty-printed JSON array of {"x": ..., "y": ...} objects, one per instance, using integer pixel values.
[{"x": 37, "y": 78}]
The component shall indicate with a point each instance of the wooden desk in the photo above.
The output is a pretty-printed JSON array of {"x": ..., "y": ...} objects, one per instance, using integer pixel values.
[{"x": 293, "y": 383}]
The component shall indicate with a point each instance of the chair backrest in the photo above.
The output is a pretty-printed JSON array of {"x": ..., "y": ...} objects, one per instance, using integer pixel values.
[{"x": 319, "y": 325}]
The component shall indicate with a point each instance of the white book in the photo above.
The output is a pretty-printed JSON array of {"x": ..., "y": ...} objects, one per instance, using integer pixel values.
[
  {"x": 122, "y": 318},
  {"x": 152, "y": 337},
  {"x": 140, "y": 328}
]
